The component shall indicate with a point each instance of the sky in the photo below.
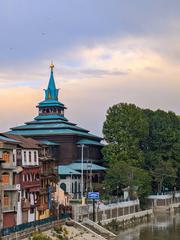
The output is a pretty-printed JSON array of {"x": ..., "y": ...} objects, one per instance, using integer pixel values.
[{"x": 104, "y": 51}]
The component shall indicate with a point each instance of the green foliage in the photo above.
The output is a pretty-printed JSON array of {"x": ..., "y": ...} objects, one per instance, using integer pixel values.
[
  {"x": 58, "y": 229},
  {"x": 122, "y": 175},
  {"x": 124, "y": 129},
  {"x": 144, "y": 144},
  {"x": 39, "y": 236}
]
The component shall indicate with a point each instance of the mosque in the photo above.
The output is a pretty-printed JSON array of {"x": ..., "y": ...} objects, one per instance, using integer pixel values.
[
  {"x": 51, "y": 126},
  {"x": 69, "y": 142}
]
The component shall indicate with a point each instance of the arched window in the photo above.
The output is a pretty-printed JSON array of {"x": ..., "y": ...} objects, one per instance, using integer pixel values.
[
  {"x": 63, "y": 186},
  {"x": 5, "y": 178},
  {"x": 6, "y": 156},
  {"x": 6, "y": 200}
]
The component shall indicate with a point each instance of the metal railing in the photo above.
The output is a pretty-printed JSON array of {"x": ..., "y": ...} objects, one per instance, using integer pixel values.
[{"x": 34, "y": 224}]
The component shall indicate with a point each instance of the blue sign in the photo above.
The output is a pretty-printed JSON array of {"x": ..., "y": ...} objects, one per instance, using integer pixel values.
[{"x": 93, "y": 195}]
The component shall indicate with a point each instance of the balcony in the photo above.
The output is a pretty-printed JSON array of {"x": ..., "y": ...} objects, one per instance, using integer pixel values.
[
  {"x": 9, "y": 187},
  {"x": 48, "y": 172},
  {"x": 46, "y": 158},
  {"x": 31, "y": 184},
  {"x": 9, "y": 165},
  {"x": 9, "y": 208}
]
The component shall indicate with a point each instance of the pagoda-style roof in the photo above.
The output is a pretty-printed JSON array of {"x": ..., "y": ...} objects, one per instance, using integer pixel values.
[{"x": 51, "y": 119}]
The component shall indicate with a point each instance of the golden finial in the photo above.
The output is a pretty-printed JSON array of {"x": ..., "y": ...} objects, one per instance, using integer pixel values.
[{"x": 51, "y": 66}]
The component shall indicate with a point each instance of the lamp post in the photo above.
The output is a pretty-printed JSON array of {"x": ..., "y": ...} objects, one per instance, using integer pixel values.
[
  {"x": 71, "y": 189},
  {"x": 82, "y": 170}
]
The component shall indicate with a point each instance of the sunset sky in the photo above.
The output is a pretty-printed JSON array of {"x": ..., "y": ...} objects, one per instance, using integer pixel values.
[{"x": 104, "y": 52}]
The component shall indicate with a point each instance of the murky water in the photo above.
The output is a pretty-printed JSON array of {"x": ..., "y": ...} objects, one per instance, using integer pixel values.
[{"x": 161, "y": 227}]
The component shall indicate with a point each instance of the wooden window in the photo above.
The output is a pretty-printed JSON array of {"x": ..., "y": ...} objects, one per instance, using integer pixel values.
[
  {"x": 6, "y": 156},
  {"x": 6, "y": 200},
  {"x": 5, "y": 178},
  {"x": 25, "y": 159},
  {"x": 35, "y": 156},
  {"x": 29, "y": 156}
]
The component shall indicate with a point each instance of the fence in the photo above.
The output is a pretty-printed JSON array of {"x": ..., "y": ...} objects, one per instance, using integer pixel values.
[{"x": 34, "y": 224}]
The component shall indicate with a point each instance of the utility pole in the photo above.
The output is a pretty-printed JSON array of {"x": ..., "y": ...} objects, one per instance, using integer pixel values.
[{"x": 1, "y": 196}]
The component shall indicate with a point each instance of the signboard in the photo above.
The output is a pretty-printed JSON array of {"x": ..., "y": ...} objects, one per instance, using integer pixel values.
[{"x": 93, "y": 195}]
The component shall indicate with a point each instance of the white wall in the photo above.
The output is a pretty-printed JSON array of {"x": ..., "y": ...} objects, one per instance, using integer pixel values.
[{"x": 26, "y": 161}]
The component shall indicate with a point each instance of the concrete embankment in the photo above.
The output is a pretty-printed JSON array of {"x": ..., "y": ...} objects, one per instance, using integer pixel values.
[
  {"x": 129, "y": 217},
  {"x": 123, "y": 222}
]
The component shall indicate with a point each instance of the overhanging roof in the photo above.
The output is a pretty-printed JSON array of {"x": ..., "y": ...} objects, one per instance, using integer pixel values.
[
  {"x": 66, "y": 170},
  {"x": 89, "y": 142}
]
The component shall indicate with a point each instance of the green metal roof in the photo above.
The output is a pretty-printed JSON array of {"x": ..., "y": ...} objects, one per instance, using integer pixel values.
[
  {"x": 5, "y": 139},
  {"x": 50, "y": 117},
  {"x": 49, "y": 126},
  {"x": 86, "y": 167},
  {"x": 89, "y": 142},
  {"x": 46, "y": 142},
  {"x": 37, "y": 132},
  {"x": 66, "y": 170},
  {"x": 50, "y": 102},
  {"x": 48, "y": 121}
]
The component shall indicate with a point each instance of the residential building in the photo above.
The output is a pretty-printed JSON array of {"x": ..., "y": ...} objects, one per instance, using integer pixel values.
[
  {"x": 8, "y": 186},
  {"x": 28, "y": 177},
  {"x": 70, "y": 178}
]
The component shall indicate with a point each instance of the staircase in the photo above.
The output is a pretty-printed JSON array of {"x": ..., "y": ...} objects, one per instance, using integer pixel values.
[{"x": 100, "y": 231}]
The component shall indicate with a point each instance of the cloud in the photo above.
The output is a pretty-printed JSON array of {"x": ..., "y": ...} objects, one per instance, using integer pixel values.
[{"x": 104, "y": 53}]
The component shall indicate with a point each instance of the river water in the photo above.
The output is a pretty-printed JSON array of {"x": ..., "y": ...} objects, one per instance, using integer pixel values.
[{"x": 161, "y": 227}]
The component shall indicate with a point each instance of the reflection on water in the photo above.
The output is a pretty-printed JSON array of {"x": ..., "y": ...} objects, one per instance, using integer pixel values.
[{"x": 161, "y": 227}]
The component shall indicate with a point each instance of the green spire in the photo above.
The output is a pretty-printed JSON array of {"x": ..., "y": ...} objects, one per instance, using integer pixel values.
[{"x": 51, "y": 93}]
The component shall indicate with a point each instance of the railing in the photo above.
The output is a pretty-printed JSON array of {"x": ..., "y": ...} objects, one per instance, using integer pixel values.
[
  {"x": 9, "y": 208},
  {"x": 34, "y": 224},
  {"x": 29, "y": 184},
  {"x": 9, "y": 187}
]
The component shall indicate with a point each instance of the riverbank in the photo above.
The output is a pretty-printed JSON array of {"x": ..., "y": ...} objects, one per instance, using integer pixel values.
[
  {"x": 162, "y": 226},
  {"x": 115, "y": 225}
]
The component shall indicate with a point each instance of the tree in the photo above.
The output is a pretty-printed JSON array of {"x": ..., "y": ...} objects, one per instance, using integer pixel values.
[
  {"x": 125, "y": 128},
  {"x": 123, "y": 175},
  {"x": 164, "y": 173},
  {"x": 142, "y": 139}
]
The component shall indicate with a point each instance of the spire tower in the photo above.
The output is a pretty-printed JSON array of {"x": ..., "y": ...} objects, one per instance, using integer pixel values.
[{"x": 51, "y": 106}]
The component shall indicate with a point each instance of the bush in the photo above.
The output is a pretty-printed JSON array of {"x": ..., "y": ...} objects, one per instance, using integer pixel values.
[{"x": 39, "y": 236}]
